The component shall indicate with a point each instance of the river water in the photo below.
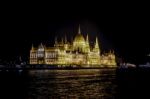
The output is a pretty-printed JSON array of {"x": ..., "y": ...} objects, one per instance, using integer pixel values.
[{"x": 68, "y": 84}]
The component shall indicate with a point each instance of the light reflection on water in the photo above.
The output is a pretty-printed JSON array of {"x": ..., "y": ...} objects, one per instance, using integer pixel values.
[{"x": 72, "y": 84}]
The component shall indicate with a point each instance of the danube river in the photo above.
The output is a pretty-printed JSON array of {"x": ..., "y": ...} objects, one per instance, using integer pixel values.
[{"x": 72, "y": 84}]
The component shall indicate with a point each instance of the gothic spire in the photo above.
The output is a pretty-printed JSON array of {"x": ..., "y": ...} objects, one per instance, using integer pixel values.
[
  {"x": 87, "y": 38},
  {"x": 79, "y": 30},
  {"x": 96, "y": 41},
  {"x": 65, "y": 39},
  {"x": 32, "y": 48},
  {"x": 97, "y": 46},
  {"x": 87, "y": 44}
]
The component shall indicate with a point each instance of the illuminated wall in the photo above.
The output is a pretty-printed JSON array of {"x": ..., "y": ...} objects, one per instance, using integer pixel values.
[{"x": 79, "y": 52}]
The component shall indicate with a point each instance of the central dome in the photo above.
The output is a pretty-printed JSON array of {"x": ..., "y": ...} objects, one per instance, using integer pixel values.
[
  {"x": 79, "y": 38},
  {"x": 79, "y": 42}
]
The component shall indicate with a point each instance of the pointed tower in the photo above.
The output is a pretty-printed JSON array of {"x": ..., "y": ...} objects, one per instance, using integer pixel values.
[
  {"x": 65, "y": 39},
  {"x": 33, "y": 55},
  {"x": 96, "y": 48},
  {"x": 66, "y": 43},
  {"x": 41, "y": 45},
  {"x": 87, "y": 38},
  {"x": 79, "y": 30},
  {"x": 87, "y": 44},
  {"x": 32, "y": 48},
  {"x": 56, "y": 42}
]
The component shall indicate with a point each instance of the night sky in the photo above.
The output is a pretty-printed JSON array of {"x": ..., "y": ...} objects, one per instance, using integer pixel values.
[{"x": 124, "y": 28}]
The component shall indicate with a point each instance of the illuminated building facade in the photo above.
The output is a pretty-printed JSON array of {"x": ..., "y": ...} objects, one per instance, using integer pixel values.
[{"x": 79, "y": 53}]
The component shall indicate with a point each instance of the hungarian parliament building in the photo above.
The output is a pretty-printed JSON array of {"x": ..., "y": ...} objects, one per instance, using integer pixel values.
[{"x": 75, "y": 53}]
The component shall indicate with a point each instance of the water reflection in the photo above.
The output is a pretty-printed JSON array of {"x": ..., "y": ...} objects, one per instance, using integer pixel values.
[{"x": 72, "y": 84}]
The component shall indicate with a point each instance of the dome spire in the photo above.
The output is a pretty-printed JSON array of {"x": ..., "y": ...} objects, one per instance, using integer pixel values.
[
  {"x": 97, "y": 44},
  {"x": 65, "y": 39},
  {"x": 96, "y": 41},
  {"x": 79, "y": 30},
  {"x": 87, "y": 38},
  {"x": 96, "y": 48},
  {"x": 87, "y": 44},
  {"x": 32, "y": 48}
]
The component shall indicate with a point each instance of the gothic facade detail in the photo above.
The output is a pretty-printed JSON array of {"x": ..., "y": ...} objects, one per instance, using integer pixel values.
[{"x": 79, "y": 52}]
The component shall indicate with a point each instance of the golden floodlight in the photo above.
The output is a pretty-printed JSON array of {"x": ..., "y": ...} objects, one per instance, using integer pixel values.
[{"x": 78, "y": 52}]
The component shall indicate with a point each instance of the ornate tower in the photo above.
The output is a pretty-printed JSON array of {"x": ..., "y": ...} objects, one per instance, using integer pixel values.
[
  {"x": 79, "y": 30},
  {"x": 87, "y": 48},
  {"x": 95, "y": 54},
  {"x": 33, "y": 55},
  {"x": 66, "y": 43},
  {"x": 96, "y": 47},
  {"x": 65, "y": 39}
]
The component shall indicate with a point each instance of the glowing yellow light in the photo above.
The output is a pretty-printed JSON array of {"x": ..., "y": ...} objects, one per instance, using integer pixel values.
[{"x": 78, "y": 52}]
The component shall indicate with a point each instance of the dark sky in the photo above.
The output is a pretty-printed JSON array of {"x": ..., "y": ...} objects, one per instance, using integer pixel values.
[{"x": 124, "y": 28}]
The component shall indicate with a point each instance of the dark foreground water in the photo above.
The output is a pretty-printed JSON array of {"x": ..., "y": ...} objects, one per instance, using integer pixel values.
[{"x": 75, "y": 84}]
